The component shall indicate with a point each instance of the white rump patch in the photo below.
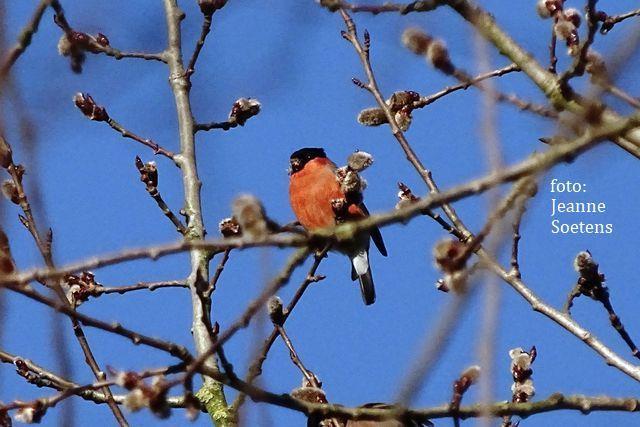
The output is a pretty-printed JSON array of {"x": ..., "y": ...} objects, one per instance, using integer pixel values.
[{"x": 360, "y": 262}]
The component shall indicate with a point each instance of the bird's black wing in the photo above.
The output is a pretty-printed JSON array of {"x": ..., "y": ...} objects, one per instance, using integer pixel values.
[{"x": 376, "y": 236}]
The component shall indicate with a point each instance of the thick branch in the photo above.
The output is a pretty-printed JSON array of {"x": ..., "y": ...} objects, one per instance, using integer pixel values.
[{"x": 186, "y": 160}]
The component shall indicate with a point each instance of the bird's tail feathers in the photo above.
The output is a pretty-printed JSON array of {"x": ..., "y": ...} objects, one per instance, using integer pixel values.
[{"x": 360, "y": 270}]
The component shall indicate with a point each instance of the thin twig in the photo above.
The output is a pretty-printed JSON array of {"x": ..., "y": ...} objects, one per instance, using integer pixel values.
[
  {"x": 150, "y": 286},
  {"x": 426, "y": 100},
  {"x": 157, "y": 149},
  {"x": 218, "y": 272},
  {"x": 553, "y": 58},
  {"x": 521, "y": 207},
  {"x": 613, "y": 20},
  {"x": 206, "y": 28},
  {"x": 24, "y": 38},
  {"x": 621, "y": 94},
  {"x": 226, "y": 125},
  {"x": 310, "y": 376},
  {"x": 403, "y": 9}
]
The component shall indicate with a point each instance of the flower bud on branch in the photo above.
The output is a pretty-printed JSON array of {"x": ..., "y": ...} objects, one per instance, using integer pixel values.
[
  {"x": 89, "y": 108},
  {"x": 229, "y": 227},
  {"x": 276, "y": 310},
  {"x": 243, "y": 109},
  {"x": 433, "y": 50},
  {"x": 208, "y": 7},
  {"x": 251, "y": 217}
]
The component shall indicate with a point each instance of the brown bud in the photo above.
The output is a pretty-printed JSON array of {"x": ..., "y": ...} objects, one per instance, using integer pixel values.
[
  {"x": 89, "y": 108},
  {"x": 472, "y": 373},
  {"x": 208, "y": 7},
  {"x": 243, "y": 109},
  {"x": 148, "y": 173},
  {"x": 585, "y": 264},
  {"x": 102, "y": 40},
  {"x": 402, "y": 99},
  {"x": 416, "y": 40},
  {"x": 80, "y": 39},
  {"x": 250, "y": 214},
  {"x": 438, "y": 55},
  {"x": 10, "y": 191},
  {"x": 31, "y": 413},
  {"x": 542, "y": 9},
  {"x": 403, "y": 119},
  {"x": 128, "y": 380},
  {"x": 6, "y": 158},
  {"x": 573, "y": 15},
  {"x": 372, "y": 117},
  {"x": 229, "y": 227},
  {"x": 565, "y": 30},
  {"x": 446, "y": 253},
  {"x": 276, "y": 310},
  {"x": 359, "y": 161}
]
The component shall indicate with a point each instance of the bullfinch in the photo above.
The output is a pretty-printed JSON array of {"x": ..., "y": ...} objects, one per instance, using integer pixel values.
[{"x": 314, "y": 189}]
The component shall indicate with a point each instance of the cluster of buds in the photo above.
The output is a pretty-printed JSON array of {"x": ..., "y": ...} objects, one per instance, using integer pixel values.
[
  {"x": 89, "y": 108},
  {"x": 460, "y": 386},
  {"x": 81, "y": 287},
  {"x": 142, "y": 395},
  {"x": 351, "y": 183},
  {"x": 229, "y": 227},
  {"x": 522, "y": 389},
  {"x": 208, "y": 7},
  {"x": 591, "y": 281},
  {"x": 148, "y": 175},
  {"x": 585, "y": 265},
  {"x": 566, "y": 22},
  {"x": 251, "y": 218},
  {"x": 405, "y": 196},
  {"x": 74, "y": 44},
  {"x": 400, "y": 104},
  {"x": 30, "y": 413},
  {"x": 446, "y": 254},
  {"x": 432, "y": 49},
  {"x": 243, "y": 109}
]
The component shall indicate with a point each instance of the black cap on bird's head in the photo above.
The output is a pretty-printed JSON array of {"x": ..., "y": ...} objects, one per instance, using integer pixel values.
[{"x": 301, "y": 157}]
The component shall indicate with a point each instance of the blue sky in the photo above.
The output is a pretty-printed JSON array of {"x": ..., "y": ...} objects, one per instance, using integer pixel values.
[{"x": 291, "y": 57}]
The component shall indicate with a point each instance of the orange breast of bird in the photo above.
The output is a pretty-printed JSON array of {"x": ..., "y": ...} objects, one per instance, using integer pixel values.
[{"x": 311, "y": 191}]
